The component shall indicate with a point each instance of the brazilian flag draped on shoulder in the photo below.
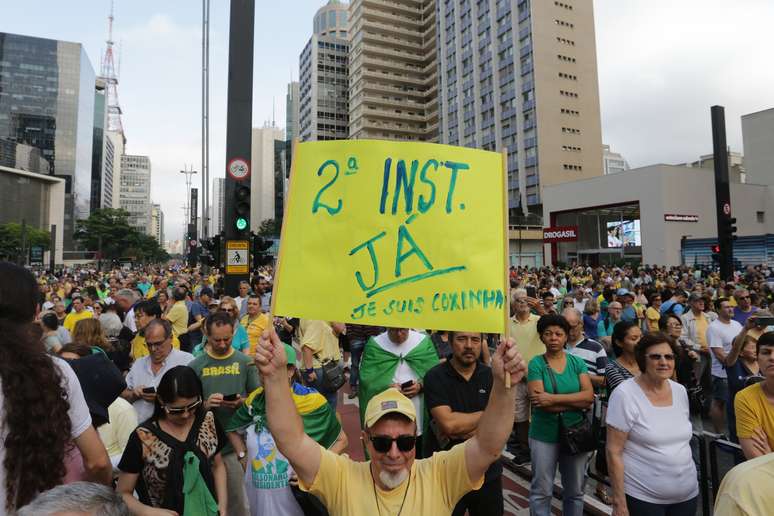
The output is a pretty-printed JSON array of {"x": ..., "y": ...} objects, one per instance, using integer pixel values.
[
  {"x": 320, "y": 422},
  {"x": 377, "y": 367}
]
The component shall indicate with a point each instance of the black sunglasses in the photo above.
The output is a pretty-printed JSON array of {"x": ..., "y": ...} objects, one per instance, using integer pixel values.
[{"x": 383, "y": 443}]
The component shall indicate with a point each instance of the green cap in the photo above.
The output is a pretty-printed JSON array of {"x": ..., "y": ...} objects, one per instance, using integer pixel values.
[{"x": 291, "y": 354}]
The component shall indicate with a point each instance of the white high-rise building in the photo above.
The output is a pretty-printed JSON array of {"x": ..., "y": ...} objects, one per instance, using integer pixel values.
[
  {"x": 292, "y": 106},
  {"x": 218, "y": 206},
  {"x": 262, "y": 176},
  {"x": 115, "y": 141},
  {"x": 157, "y": 223},
  {"x": 613, "y": 161},
  {"x": 323, "y": 76},
  {"x": 134, "y": 195}
]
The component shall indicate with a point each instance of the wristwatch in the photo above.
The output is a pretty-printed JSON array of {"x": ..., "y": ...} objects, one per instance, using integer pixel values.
[{"x": 241, "y": 455}]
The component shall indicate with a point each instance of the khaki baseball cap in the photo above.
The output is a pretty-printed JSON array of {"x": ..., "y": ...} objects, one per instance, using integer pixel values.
[{"x": 387, "y": 401}]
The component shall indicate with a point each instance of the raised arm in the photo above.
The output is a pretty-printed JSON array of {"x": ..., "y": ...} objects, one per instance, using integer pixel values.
[
  {"x": 496, "y": 422},
  {"x": 738, "y": 344},
  {"x": 284, "y": 422}
]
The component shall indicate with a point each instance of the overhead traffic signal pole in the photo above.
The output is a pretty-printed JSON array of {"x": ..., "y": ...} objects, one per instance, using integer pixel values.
[
  {"x": 726, "y": 227},
  {"x": 238, "y": 144}
]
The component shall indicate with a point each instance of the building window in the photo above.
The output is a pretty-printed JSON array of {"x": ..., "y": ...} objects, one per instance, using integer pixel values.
[
  {"x": 572, "y": 167},
  {"x": 566, "y": 93},
  {"x": 566, "y": 59},
  {"x": 760, "y": 217},
  {"x": 563, "y": 5},
  {"x": 563, "y": 23},
  {"x": 570, "y": 130}
]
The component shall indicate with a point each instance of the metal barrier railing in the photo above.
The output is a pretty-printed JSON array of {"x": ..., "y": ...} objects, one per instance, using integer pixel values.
[{"x": 709, "y": 445}]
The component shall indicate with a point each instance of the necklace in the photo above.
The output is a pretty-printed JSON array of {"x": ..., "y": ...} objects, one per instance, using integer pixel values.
[{"x": 376, "y": 498}]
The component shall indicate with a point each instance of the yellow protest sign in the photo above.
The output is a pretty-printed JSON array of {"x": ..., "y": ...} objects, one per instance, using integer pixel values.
[{"x": 394, "y": 234}]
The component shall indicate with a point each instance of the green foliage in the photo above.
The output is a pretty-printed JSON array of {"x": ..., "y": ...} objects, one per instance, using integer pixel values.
[
  {"x": 11, "y": 239},
  {"x": 108, "y": 230}
]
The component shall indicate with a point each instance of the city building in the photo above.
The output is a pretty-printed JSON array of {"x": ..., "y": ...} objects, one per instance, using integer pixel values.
[
  {"x": 47, "y": 101},
  {"x": 393, "y": 71},
  {"x": 113, "y": 155},
  {"x": 758, "y": 135},
  {"x": 262, "y": 174},
  {"x": 644, "y": 216},
  {"x": 157, "y": 223},
  {"x": 218, "y": 206},
  {"x": 292, "y": 115},
  {"x": 102, "y": 153},
  {"x": 736, "y": 170},
  {"x": 613, "y": 162},
  {"x": 134, "y": 195},
  {"x": 323, "y": 75},
  {"x": 38, "y": 200},
  {"x": 22, "y": 157},
  {"x": 522, "y": 76}
]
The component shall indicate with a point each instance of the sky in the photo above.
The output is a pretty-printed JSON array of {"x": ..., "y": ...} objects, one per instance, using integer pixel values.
[{"x": 661, "y": 65}]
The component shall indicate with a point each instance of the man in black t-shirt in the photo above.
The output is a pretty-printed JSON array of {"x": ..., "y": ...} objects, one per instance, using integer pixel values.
[{"x": 456, "y": 394}]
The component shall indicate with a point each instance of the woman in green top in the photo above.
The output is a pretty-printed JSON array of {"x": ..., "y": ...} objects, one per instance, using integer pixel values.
[{"x": 573, "y": 394}]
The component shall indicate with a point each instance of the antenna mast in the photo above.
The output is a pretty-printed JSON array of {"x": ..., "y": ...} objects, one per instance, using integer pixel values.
[{"x": 108, "y": 74}]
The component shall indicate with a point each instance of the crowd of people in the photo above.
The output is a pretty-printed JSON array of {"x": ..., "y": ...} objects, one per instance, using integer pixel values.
[{"x": 151, "y": 391}]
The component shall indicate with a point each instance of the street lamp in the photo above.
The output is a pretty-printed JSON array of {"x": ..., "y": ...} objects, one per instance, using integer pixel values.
[{"x": 188, "y": 174}]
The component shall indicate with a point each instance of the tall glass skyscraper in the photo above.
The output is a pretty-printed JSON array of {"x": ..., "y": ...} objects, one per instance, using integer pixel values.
[{"x": 47, "y": 101}]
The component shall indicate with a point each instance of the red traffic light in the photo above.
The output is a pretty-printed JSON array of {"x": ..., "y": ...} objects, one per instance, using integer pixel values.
[{"x": 715, "y": 248}]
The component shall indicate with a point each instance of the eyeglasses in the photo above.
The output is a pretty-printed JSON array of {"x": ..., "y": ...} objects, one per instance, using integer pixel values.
[
  {"x": 180, "y": 410},
  {"x": 674, "y": 325},
  {"x": 383, "y": 443},
  {"x": 669, "y": 357},
  {"x": 744, "y": 297},
  {"x": 154, "y": 344}
]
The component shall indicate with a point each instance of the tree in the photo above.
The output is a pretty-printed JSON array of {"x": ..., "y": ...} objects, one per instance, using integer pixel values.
[
  {"x": 11, "y": 239},
  {"x": 107, "y": 230},
  {"x": 269, "y": 228}
]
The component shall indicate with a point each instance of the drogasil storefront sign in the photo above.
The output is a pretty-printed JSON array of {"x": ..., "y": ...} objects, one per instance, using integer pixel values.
[{"x": 560, "y": 234}]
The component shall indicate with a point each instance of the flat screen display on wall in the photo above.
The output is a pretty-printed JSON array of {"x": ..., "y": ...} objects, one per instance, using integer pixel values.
[{"x": 624, "y": 233}]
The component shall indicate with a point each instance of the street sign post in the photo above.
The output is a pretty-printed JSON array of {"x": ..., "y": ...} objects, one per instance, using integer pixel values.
[{"x": 237, "y": 257}]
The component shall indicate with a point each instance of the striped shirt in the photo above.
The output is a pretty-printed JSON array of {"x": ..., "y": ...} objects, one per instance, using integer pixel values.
[{"x": 592, "y": 353}]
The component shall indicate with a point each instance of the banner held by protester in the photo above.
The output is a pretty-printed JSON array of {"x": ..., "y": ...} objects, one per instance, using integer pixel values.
[{"x": 394, "y": 234}]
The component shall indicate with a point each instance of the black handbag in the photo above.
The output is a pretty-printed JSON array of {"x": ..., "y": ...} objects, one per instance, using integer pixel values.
[
  {"x": 333, "y": 375},
  {"x": 574, "y": 439}
]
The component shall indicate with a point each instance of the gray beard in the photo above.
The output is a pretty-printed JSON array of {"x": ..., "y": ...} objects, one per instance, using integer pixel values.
[{"x": 393, "y": 480}]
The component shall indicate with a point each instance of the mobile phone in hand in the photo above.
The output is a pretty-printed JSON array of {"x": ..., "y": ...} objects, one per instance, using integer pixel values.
[
  {"x": 149, "y": 390},
  {"x": 406, "y": 385},
  {"x": 531, "y": 292},
  {"x": 230, "y": 397}
]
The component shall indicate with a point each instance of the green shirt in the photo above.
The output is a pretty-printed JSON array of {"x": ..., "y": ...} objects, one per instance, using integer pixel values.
[
  {"x": 545, "y": 425},
  {"x": 233, "y": 374}
]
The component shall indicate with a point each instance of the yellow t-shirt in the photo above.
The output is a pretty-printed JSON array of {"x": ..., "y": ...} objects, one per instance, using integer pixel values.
[
  {"x": 139, "y": 349},
  {"x": 746, "y": 489},
  {"x": 753, "y": 411},
  {"x": 319, "y": 337},
  {"x": 73, "y": 317},
  {"x": 435, "y": 486},
  {"x": 702, "y": 323},
  {"x": 178, "y": 317},
  {"x": 526, "y": 337},
  {"x": 652, "y": 315},
  {"x": 254, "y": 330}
]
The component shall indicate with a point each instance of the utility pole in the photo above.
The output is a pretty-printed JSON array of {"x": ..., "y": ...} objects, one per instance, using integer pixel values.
[
  {"x": 238, "y": 144},
  {"x": 52, "y": 252},
  {"x": 725, "y": 221},
  {"x": 205, "y": 117}
]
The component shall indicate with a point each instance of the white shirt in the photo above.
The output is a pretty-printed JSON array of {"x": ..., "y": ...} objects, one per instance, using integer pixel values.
[
  {"x": 129, "y": 321},
  {"x": 721, "y": 335},
  {"x": 658, "y": 466},
  {"x": 80, "y": 419},
  {"x": 141, "y": 374},
  {"x": 403, "y": 372},
  {"x": 579, "y": 305}
]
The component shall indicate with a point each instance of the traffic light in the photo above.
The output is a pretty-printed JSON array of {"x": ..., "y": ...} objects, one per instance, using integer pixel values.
[
  {"x": 242, "y": 209},
  {"x": 715, "y": 253},
  {"x": 260, "y": 256},
  {"x": 727, "y": 229}
]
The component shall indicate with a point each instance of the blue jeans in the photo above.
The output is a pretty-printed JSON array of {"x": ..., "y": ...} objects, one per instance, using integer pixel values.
[
  {"x": 356, "y": 351},
  {"x": 545, "y": 457}
]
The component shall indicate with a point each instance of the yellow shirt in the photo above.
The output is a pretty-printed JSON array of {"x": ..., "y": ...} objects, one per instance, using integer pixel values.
[
  {"x": 178, "y": 317},
  {"x": 746, "y": 489},
  {"x": 652, "y": 315},
  {"x": 73, "y": 317},
  {"x": 753, "y": 411},
  {"x": 115, "y": 434},
  {"x": 319, "y": 337},
  {"x": 526, "y": 337},
  {"x": 702, "y": 323},
  {"x": 140, "y": 349},
  {"x": 254, "y": 330},
  {"x": 435, "y": 485}
]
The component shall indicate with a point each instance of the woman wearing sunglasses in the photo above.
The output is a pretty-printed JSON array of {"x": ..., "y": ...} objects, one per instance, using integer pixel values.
[
  {"x": 648, "y": 437},
  {"x": 173, "y": 459}
]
